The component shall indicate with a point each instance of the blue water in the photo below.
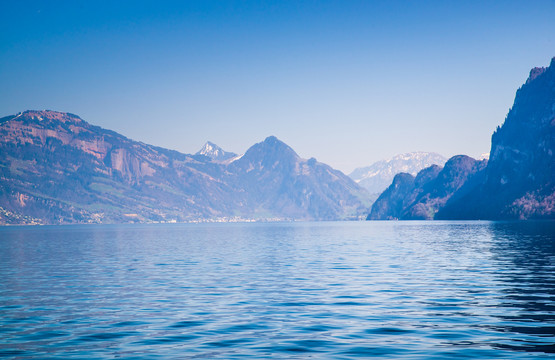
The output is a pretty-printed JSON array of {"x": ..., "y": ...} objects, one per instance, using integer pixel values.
[{"x": 330, "y": 290}]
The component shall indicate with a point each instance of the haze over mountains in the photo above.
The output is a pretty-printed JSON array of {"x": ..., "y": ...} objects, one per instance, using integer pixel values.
[
  {"x": 420, "y": 197},
  {"x": 57, "y": 168},
  {"x": 378, "y": 176},
  {"x": 517, "y": 182}
]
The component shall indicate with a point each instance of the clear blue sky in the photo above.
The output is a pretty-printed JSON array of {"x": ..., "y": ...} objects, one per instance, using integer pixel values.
[{"x": 347, "y": 82}]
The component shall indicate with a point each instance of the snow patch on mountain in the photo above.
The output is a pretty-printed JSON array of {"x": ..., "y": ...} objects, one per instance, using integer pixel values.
[
  {"x": 215, "y": 152},
  {"x": 378, "y": 176}
]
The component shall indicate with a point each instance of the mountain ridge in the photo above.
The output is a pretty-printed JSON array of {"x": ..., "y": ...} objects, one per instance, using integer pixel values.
[
  {"x": 516, "y": 182},
  {"x": 519, "y": 182},
  {"x": 376, "y": 177},
  {"x": 58, "y": 168}
]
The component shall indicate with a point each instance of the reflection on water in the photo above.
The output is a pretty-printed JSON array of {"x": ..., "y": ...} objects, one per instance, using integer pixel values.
[
  {"x": 400, "y": 290},
  {"x": 527, "y": 251}
]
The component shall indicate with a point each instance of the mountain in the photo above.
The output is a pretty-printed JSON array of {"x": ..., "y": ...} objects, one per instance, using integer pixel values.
[
  {"x": 292, "y": 186},
  {"x": 378, "y": 176},
  {"x": 215, "y": 152},
  {"x": 392, "y": 202},
  {"x": 517, "y": 182},
  {"x": 57, "y": 168},
  {"x": 420, "y": 197}
]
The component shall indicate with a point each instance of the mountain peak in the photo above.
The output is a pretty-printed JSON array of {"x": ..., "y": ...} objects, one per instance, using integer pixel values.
[
  {"x": 534, "y": 73},
  {"x": 269, "y": 153},
  {"x": 275, "y": 144},
  {"x": 45, "y": 115},
  {"x": 215, "y": 152},
  {"x": 208, "y": 147},
  {"x": 271, "y": 140}
]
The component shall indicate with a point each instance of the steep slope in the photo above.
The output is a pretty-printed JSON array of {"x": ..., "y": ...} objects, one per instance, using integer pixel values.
[
  {"x": 393, "y": 201},
  {"x": 57, "y": 168},
  {"x": 215, "y": 152},
  {"x": 517, "y": 182},
  {"x": 378, "y": 176},
  {"x": 519, "y": 179}
]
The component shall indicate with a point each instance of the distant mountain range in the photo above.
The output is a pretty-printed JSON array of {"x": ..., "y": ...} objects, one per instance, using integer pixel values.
[
  {"x": 378, "y": 176},
  {"x": 517, "y": 182},
  {"x": 57, "y": 168}
]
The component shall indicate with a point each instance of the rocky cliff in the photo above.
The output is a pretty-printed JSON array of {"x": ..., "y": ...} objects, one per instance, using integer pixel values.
[
  {"x": 519, "y": 179},
  {"x": 517, "y": 182}
]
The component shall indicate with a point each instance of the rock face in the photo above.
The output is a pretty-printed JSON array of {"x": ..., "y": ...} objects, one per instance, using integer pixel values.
[
  {"x": 519, "y": 179},
  {"x": 378, "y": 176},
  {"x": 517, "y": 182},
  {"x": 57, "y": 168}
]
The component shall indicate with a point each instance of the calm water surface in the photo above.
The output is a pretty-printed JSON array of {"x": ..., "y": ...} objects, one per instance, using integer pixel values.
[{"x": 345, "y": 290}]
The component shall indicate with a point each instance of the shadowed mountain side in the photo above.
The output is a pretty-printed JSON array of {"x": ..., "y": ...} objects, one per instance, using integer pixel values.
[
  {"x": 433, "y": 195},
  {"x": 519, "y": 181},
  {"x": 392, "y": 202},
  {"x": 419, "y": 198},
  {"x": 57, "y": 168}
]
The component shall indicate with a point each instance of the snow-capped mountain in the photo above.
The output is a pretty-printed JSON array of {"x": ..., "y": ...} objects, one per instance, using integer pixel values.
[
  {"x": 215, "y": 152},
  {"x": 378, "y": 176}
]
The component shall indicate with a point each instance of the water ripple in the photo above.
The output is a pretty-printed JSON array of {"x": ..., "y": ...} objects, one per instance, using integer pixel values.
[{"x": 390, "y": 290}]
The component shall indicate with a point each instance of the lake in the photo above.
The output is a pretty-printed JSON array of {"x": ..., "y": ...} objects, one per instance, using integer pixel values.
[{"x": 326, "y": 290}]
